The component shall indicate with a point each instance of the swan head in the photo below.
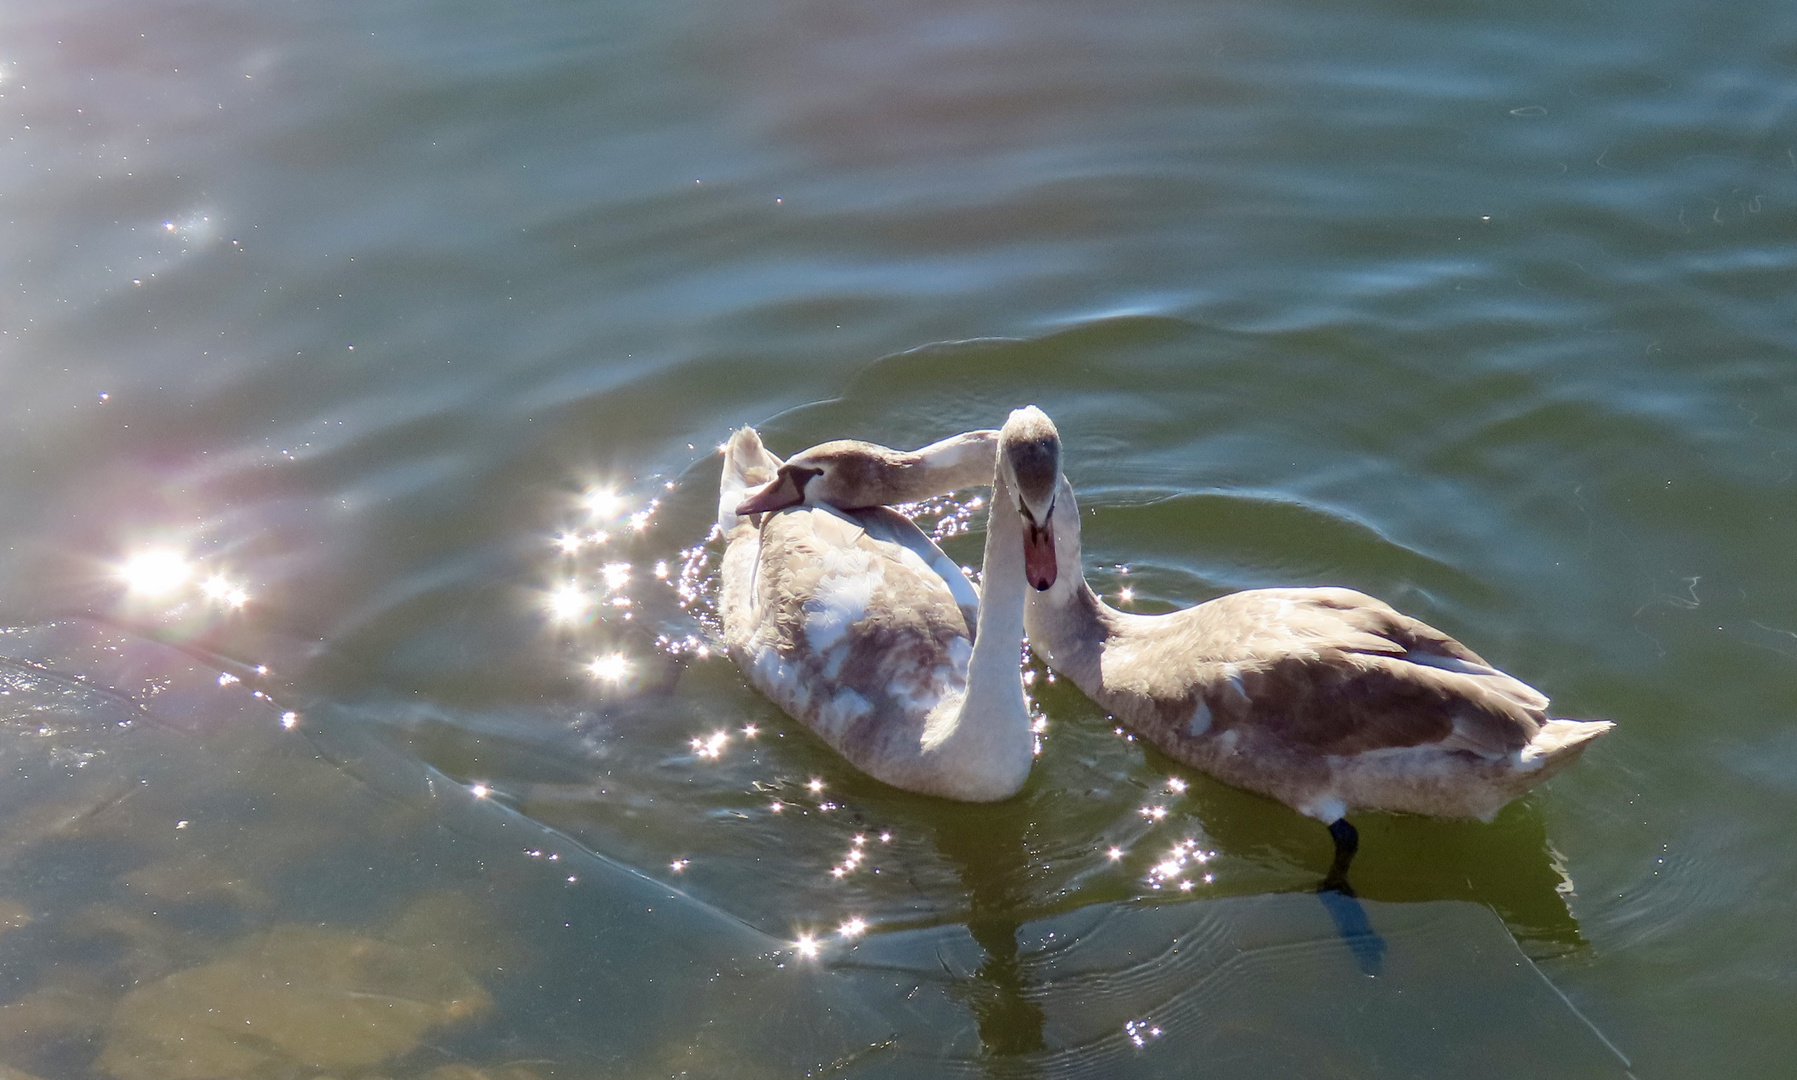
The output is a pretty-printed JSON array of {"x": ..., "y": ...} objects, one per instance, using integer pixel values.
[
  {"x": 849, "y": 474},
  {"x": 1029, "y": 460}
]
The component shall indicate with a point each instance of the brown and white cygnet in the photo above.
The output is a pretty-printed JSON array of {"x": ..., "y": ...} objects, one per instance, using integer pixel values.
[
  {"x": 851, "y": 620},
  {"x": 1325, "y": 699}
]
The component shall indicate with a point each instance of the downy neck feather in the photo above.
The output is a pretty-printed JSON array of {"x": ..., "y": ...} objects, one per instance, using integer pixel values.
[
  {"x": 1068, "y": 624},
  {"x": 986, "y": 743}
]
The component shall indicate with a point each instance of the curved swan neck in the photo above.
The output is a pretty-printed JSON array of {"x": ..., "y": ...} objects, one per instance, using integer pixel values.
[
  {"x": 1002, "y": 585},
  {"x": 959, "y": 461},
  {"x": 988, "y": 739}
]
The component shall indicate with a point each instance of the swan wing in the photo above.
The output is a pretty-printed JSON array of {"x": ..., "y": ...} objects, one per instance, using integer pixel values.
[
  {"x": 893, "y": 527},
  {"x": 1328, "y": 671},
  {"x": 846, "y": 628}
]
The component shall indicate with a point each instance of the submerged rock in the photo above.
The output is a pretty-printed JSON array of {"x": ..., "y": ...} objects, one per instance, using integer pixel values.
[
  {"x": 457, "y": 929},
  {"x": 290, "y": 997}
]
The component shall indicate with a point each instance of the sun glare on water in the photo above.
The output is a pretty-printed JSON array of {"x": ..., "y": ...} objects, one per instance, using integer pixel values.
[
  {"x": 602, "y": 502},
  {"x": 218, "y": 588},
  {"x": 611, "y": 668},
  {"x": 155, "y": 573},
  {"x": 568, "y": 603}
]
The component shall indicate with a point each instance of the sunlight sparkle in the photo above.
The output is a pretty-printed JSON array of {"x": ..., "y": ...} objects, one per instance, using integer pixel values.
[
  {"x": 711, "y": 746},
  {"x": 568, "y": 603},
  {"x": 602, "y": 502},
  {"x": 612, "y": 668},
  {"x": 221, "y": 590}
]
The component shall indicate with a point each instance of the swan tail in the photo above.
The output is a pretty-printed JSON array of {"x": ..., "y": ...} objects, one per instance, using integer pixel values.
[
  {"x": 1560, "y": 742},
  {"x": 747, "y": 465}
]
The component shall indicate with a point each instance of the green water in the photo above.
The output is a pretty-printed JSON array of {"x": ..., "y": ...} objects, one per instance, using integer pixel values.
[{"x": 1482, "y": 309}]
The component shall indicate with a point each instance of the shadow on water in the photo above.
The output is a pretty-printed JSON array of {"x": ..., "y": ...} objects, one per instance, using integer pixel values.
[{"x": 1350, "y": 918}]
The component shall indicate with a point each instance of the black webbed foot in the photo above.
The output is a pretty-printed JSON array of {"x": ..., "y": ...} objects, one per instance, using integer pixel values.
[{"x": 1347, "y": 842}]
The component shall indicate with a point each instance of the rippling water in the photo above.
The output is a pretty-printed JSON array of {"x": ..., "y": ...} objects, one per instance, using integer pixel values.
[{"x": 394, "y": 342}]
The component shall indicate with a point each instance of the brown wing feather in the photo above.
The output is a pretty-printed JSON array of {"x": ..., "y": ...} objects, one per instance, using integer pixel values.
[
  {"x": 1331, "y": 671},
  {"x": 898, "y": 650}
]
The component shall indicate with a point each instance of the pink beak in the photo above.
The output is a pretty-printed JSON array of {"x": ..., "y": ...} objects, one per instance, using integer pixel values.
[
  {"x": 777, "y": 494},
  {"x": 1038, "y": 556}
]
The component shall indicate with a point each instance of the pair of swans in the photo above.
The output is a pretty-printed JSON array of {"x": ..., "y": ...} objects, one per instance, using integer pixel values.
[{"x": 1325, "y": 699}]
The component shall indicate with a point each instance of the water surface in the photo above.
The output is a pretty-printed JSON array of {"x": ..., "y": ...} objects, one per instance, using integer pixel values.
[{"x": 1483, "y": 309}]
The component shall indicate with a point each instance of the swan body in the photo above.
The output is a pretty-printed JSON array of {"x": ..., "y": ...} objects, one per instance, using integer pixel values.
[
  {"x": 855, "y": 623},
  {"x": 1325, "y": 699}
]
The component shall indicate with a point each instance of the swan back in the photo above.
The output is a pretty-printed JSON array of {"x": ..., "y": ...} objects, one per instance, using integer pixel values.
[
  {"x": 854, "y": 635},
  {"x": 855, "y": 623}
]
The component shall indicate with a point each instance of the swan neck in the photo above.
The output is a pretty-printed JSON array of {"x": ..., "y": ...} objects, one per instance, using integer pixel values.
[
  {"x": 1002, "y": 583},
  {"x": 959, "y": 461},
  {"x": 989, "y": 741},
  {"x": 1068, "y": 623}
]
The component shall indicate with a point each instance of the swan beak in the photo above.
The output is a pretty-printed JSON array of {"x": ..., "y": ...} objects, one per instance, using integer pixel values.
[
  {"x": 777, "y": 494},
  {"x": 1038, "y": 555}
]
